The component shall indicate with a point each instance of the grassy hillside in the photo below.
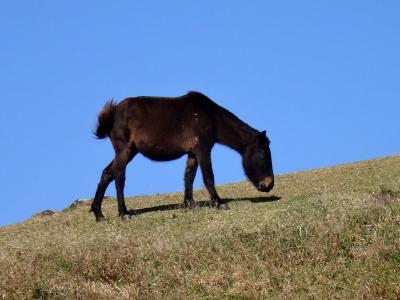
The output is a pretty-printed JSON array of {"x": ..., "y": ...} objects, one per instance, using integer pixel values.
[{"x": 328, "y": 233}]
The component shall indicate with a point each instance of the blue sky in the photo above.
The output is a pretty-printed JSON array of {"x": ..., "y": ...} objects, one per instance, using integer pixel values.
[{"x": 322, "y": 77}]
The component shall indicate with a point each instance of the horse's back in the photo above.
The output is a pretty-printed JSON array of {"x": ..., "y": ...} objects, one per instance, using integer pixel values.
[{"x": 192, "y": 101}]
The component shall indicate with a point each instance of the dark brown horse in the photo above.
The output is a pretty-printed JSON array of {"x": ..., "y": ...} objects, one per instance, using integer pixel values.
[{"x": 164, "y": 129}]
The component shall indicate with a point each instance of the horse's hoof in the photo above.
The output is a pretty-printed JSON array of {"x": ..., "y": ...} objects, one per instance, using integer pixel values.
[
  {"x": 223, "y": 206},
  {"x": 189, "y": 204},
  {"x": 100, "y": 219},
  {"x": 125, "y": 217}
]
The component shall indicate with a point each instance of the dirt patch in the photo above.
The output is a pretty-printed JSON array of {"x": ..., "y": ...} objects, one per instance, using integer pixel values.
[
  {"x": 84, "y": 202},
  {"x": 80, "y": 202},
  {"x": 385, "y": 196},
  {"x": 45, "y": 213}
]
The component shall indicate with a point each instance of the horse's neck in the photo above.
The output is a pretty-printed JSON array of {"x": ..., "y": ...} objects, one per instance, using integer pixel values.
[{"x": 234, "y": 133}]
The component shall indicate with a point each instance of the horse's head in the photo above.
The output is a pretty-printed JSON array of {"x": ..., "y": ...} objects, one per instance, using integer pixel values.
[{"x": 257, "y": 163}]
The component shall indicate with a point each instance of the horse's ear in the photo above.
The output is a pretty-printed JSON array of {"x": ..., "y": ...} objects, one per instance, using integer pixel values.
[{"x": 261, "y": 138}]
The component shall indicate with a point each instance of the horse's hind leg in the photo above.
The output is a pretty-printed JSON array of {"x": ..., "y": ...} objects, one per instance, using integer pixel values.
[
  {"x": 190, "y": 174},
  {"x": 106, "y": 177},
  {"x": 121, "y": 161}
]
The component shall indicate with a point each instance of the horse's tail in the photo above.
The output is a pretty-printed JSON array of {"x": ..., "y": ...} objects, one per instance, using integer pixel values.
[{"x": 105, "y": 120}]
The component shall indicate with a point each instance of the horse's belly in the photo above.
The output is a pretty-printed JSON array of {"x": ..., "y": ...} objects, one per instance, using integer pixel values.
[
  {"x": 163, "y": 157},
  {"x": 160, "y": 153}
]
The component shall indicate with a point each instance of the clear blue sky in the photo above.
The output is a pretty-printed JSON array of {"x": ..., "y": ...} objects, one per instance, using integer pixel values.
[{"x": 322, "y": 77}]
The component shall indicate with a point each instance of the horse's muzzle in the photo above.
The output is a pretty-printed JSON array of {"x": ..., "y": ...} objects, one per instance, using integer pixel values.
[{"x": 266, "y": 185}]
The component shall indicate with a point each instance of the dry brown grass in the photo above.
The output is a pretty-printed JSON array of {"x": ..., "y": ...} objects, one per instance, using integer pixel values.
[{"x": 335, "y": 233}]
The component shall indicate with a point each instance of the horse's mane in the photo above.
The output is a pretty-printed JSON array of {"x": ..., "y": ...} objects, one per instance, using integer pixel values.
[
  {"x": 233, "y": 121},
  {"x": 226, "y": 116}
]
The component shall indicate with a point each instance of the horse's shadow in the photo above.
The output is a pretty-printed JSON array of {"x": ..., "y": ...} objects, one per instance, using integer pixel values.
[{"x": 166, "y": 207}]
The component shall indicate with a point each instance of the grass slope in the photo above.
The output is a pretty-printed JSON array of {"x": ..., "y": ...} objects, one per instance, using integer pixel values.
[{"x": 334, "y": 233}]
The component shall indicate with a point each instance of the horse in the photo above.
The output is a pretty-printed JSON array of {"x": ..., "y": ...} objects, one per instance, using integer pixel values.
[{"x": 166, "y": 128}]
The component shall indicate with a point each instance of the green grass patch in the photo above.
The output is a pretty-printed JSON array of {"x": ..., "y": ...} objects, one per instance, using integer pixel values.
[{"x": 328, "y": 233}]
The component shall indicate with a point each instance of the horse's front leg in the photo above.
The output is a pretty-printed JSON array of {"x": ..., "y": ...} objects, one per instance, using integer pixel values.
[
  {"x": 190, "y": 174},
  {"x": 204, "y": 159}
]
